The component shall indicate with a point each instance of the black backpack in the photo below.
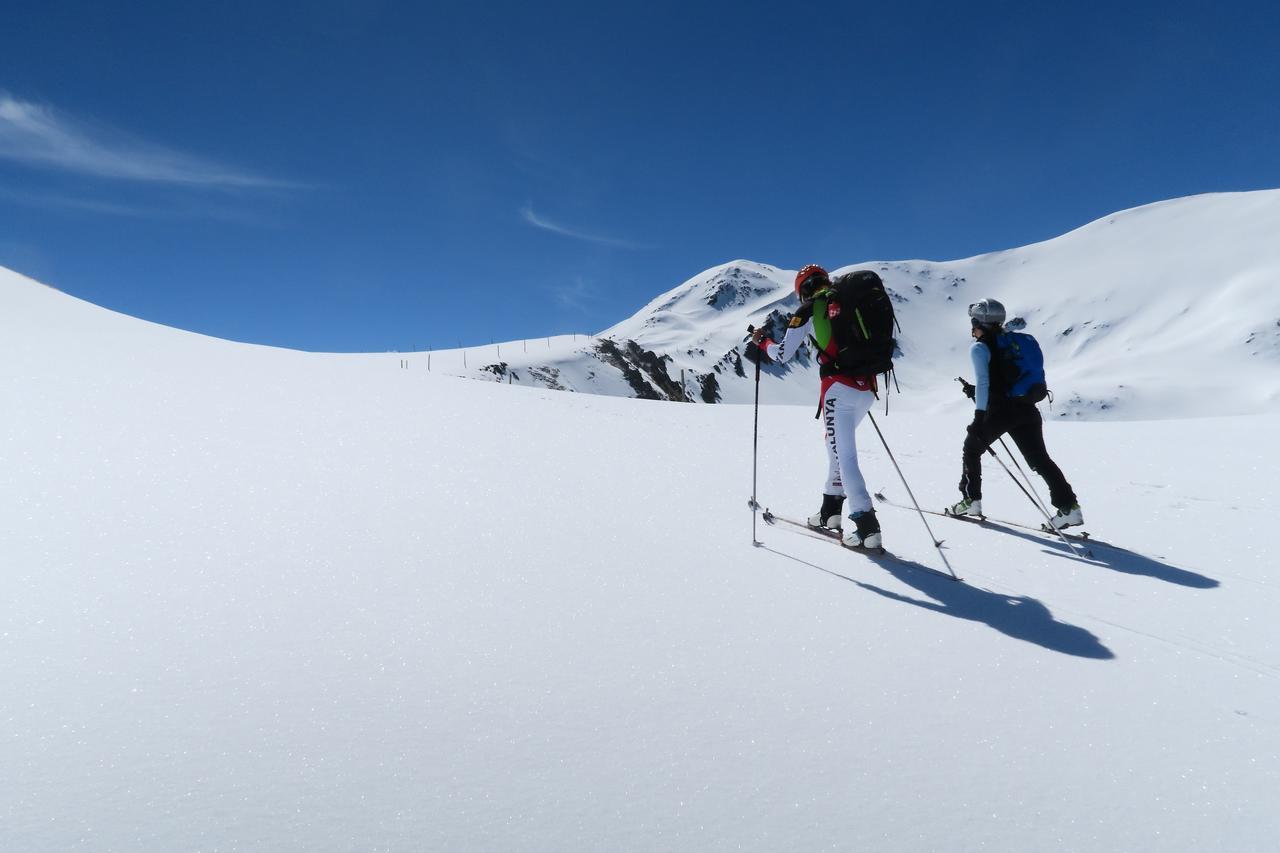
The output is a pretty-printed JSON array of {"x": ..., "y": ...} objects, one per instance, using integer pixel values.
[{"x": 862, "y": 323}]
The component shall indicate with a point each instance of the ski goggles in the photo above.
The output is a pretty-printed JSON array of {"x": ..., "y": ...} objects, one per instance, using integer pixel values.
[{"x": 810, "y": 286}]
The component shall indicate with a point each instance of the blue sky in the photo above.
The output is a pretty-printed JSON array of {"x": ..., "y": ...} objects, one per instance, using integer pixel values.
[{"x": 369, "y": 176}]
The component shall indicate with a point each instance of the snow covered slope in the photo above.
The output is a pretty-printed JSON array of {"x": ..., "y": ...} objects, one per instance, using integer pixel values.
[
  {"x": 263, "y": 600},
  {"x": 1166, "y": 310}
]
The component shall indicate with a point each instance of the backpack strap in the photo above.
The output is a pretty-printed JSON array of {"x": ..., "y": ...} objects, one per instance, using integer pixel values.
[{"x": 866, "y": 336}]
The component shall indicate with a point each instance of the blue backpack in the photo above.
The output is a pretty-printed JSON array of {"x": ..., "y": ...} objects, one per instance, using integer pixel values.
[{"x": 1021, "y": 365}]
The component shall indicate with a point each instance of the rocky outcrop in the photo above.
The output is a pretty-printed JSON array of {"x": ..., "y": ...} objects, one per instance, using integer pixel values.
[{"x": 644, "y": 370}]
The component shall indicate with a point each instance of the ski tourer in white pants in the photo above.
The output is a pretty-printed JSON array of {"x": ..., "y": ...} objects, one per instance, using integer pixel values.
[
  {"x": 845, "y": 401},
  {"x": 843, "y": 409}
]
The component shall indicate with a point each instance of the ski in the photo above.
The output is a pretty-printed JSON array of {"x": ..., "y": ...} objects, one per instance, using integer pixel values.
[
  {"x": 834, "y": 537},
  {"x": 821, "y": 532},
  {"x": 982, "y": 520},
  {"x": 1082, "y": 536}
]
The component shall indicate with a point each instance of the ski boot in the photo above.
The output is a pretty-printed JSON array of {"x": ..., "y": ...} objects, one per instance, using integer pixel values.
[
  {"x": 966, "y": 507},
  {"x": 866, "y": 532},
  {"x": 1067, "y": 517},
  {"x": 829, "y": 515}
]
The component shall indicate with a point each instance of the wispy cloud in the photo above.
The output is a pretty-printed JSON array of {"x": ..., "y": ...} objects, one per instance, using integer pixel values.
[
  {"x": 53, "y": 200},
  {"x": 538, "y": 221},
  {"x": 42, "y": 136},
  {"x": 578, "y": 294},
  {"x": 153, "y": 209}
]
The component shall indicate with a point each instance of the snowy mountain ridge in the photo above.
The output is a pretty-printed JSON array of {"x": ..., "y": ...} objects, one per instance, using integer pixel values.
[{"x": 1166, "y": 310}]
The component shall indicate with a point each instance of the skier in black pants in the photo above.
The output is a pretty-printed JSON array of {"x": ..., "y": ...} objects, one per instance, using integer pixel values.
[{"x": 996, "y": 414}]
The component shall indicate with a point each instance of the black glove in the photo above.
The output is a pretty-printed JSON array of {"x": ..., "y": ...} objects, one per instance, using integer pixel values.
[{"x": 979, "y": 419}]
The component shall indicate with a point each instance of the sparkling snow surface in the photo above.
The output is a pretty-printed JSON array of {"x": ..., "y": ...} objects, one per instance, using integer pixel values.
[{"x": 262, "y": 600}]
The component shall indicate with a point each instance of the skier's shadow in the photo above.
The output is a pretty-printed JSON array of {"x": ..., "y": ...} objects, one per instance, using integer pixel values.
[
  {"x": 1019, "y": 617},
  {"x": 1116, "y": 558}
]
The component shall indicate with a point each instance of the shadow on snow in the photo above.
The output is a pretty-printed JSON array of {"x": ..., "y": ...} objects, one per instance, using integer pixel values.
[
  {"x": 1114, "y": 557},
  {"x": 1020, "y": 617}
]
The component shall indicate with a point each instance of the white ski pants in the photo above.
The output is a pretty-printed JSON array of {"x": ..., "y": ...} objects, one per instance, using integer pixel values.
[{"x": 843, "y": 408}]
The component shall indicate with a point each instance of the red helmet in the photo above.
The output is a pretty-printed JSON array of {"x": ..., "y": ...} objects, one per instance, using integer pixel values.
[{"x": 809, "y": 279}]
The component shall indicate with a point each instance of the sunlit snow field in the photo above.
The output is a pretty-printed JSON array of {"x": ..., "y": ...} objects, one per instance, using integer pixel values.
[{"x": 261, "y": 600}]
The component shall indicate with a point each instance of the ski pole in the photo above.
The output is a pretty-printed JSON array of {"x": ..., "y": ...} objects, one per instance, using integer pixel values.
[
  {"x": 1026, "y": 478},
  {"x": 937, "y": 543},
  {"x": 755, "y": 448},
  {"x": 1048, "y": 521}
]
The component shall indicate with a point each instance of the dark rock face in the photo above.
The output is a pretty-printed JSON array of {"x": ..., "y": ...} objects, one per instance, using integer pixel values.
[
  {"x": 644, "y": 370},
  {"x": 710, "y": 388},
  {"x": 733, "y": 358},
  {"x": 549, "y": 376}
]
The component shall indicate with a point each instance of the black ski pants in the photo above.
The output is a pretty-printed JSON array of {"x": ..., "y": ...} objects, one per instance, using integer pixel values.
[{"x": 1023, "y": 424}]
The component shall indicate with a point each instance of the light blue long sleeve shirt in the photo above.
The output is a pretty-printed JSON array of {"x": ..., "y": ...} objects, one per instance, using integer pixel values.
[{"x": 980, "y": 355}]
